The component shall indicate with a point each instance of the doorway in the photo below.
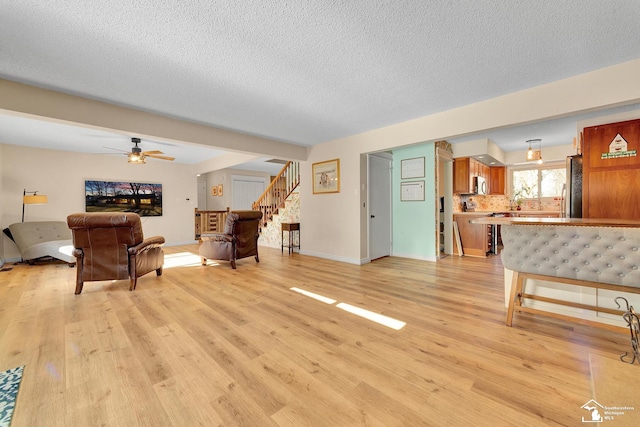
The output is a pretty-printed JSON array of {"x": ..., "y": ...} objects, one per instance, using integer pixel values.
[
  {"x": 444, "y": 177},
  {"x": 380, "y": 205}
]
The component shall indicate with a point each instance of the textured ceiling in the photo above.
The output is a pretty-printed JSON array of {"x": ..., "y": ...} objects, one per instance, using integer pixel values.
[{"x": 306, "y": 72}]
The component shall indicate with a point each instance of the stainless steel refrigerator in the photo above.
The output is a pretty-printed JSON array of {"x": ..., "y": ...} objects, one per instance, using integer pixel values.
[{"x": 572, "y": 203}]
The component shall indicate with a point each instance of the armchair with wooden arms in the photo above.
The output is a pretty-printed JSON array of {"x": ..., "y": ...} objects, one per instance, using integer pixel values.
[
  {"x": 239, "y": 239},
  {"x": 111, "y": 246}
]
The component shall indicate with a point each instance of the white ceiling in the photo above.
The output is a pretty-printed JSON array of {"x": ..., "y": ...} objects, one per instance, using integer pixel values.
[{"x": 298, "y": 71}]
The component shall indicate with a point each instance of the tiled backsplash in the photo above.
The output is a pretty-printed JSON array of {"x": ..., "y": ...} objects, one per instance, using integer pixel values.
[{"x": 501, "y": 203}]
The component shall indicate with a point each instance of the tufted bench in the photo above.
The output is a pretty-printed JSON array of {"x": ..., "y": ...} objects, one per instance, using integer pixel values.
[
  {"x": 596, "y": 257},
  {"x": 39, "y": 239}
]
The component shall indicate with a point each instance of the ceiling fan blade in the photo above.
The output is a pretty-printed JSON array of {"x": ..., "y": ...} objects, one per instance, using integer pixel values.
[
  {"x": 155, "y": 156},
  {"x": 148, "y": 153}
]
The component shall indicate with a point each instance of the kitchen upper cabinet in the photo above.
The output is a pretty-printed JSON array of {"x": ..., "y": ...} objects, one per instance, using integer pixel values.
[
  {"x": 461, "y": 175},
  {"x": 483, "y": 171},
  {"x": 497, "y": 181},
  {"x": 464, "y": 169}
]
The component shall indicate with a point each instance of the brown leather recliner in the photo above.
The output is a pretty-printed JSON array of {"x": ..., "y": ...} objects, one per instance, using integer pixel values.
[
  {"x": 239, "y": 239},
  {"x": 110, "y": 246}
]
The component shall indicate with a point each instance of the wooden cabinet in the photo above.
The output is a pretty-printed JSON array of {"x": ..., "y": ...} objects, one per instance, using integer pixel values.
[
  {"x": 462, "y": 175},
  {"x": 497, "y": 181},
  {"x": 611, "y": 184},
  {"x": 474, "y": 237},
  {"x": 464, "y": 169},
  {"x": 483, "y": 171}
]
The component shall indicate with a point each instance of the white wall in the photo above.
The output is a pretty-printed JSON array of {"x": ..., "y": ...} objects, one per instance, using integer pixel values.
[
  {"x": 223, "y": 176},
  {"x": 61, "y": 175},
  {"x": 218, "y": 203},
  {"x": 332, "y": 224}
]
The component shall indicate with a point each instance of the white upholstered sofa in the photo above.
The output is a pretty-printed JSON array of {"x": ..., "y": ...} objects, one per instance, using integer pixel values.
[{"x": 40, "y": 239}]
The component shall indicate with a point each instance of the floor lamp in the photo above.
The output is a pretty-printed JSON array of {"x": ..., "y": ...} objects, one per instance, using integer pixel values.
[{"x": 32, "y": 198}]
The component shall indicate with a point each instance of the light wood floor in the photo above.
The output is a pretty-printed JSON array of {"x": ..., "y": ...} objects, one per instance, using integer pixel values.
[{"x": 215, "y": 346}]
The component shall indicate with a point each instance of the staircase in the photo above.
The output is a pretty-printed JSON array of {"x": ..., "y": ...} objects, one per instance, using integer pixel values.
[
  {"x": 278, "y": 191},
  {"x": 279, "y": 203}
]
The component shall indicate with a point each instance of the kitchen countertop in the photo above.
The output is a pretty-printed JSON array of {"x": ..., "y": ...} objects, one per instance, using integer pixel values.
[
  {"x": 605, "y": 222},
  {"x": 532, "y": 212}
]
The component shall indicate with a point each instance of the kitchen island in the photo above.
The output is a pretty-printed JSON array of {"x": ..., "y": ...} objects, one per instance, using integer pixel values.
[
  {"x": 574, "y": 268},
  {"x": 482, "y": 240}
]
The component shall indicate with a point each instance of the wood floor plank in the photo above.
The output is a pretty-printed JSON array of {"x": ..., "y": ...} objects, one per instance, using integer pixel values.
[{"x": 210, "y": 345}]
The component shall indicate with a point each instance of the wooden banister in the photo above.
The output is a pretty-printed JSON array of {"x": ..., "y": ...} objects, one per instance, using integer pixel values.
[
  {"x": 209, "y": 222},
  {"x": 278, "y": 190}
]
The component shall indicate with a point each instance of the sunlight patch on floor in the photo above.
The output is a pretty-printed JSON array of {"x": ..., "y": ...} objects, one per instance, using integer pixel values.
[
  {"x": 182, "y": 259},
  {"x": 369, "y": 315},
  {"x": 374, "y": 317},
  {"x": 314, "y": 296}
]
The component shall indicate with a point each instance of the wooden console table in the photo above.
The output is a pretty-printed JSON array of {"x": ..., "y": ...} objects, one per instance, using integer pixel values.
[{"x": 291, "y": 227}]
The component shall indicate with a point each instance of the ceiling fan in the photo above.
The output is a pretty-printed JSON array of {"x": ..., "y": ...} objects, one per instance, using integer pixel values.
[{"x": 138, "y": 156}]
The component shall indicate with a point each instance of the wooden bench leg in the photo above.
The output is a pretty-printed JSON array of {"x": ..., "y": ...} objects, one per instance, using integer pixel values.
[{"x": 517, "y": 285}]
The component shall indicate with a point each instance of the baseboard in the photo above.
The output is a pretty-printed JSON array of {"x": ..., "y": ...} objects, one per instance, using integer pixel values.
[
  {"x": 266, "y": 245},
  {"x": 332, "y": 257},
  {"x": 418, "y": 257}
]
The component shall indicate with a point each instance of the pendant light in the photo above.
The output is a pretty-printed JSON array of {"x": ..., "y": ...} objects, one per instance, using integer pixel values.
[{"x": 534, "y": 155}]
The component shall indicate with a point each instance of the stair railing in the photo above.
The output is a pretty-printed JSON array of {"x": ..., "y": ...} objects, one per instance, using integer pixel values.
[
  {"x": 209, "y": 222},
  {"x": 278, "y": 190}
]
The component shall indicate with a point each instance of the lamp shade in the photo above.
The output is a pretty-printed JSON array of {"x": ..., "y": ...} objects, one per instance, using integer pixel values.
[
  {"x": 534, "y": 154},
  {"x": 34, "y": 199},
  {"x": 136, "y": 158}
]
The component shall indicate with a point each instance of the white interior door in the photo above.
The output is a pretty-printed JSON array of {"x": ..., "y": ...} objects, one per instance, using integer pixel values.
[
  {"x": 246, "y": 190},
  {"x": 379, "y": 206}
]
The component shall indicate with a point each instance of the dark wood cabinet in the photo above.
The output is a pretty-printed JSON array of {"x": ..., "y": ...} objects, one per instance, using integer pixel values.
[{"x": 497, "y": 181}]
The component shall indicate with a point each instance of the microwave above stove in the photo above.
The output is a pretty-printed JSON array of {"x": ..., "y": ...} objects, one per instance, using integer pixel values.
[{"x": 479, "y": 185}]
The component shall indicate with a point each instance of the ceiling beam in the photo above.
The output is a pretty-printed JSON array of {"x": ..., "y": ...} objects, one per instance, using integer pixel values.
[{"x": 46, "y": 104}]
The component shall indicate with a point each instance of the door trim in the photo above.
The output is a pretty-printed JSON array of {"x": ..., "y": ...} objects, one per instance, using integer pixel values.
[{"x": 388, "y": 157}]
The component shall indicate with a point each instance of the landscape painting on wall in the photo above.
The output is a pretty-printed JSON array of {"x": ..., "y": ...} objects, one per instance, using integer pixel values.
[{"x": 116, "y": 196}]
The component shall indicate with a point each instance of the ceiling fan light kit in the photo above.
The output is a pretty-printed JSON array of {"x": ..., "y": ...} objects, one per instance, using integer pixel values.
[{"x": 137, "y": 156}]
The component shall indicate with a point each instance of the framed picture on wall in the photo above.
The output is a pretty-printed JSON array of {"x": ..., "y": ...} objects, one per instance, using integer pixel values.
[
  {"x": 123, "y": 196},
  {"x": 412, "y": 168},
  {"x": 412, "y": 191},
  {"x": 219, "y": 189},
  {"x": 326, "y": 176},
  {"x": 214, "y": 191}
]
